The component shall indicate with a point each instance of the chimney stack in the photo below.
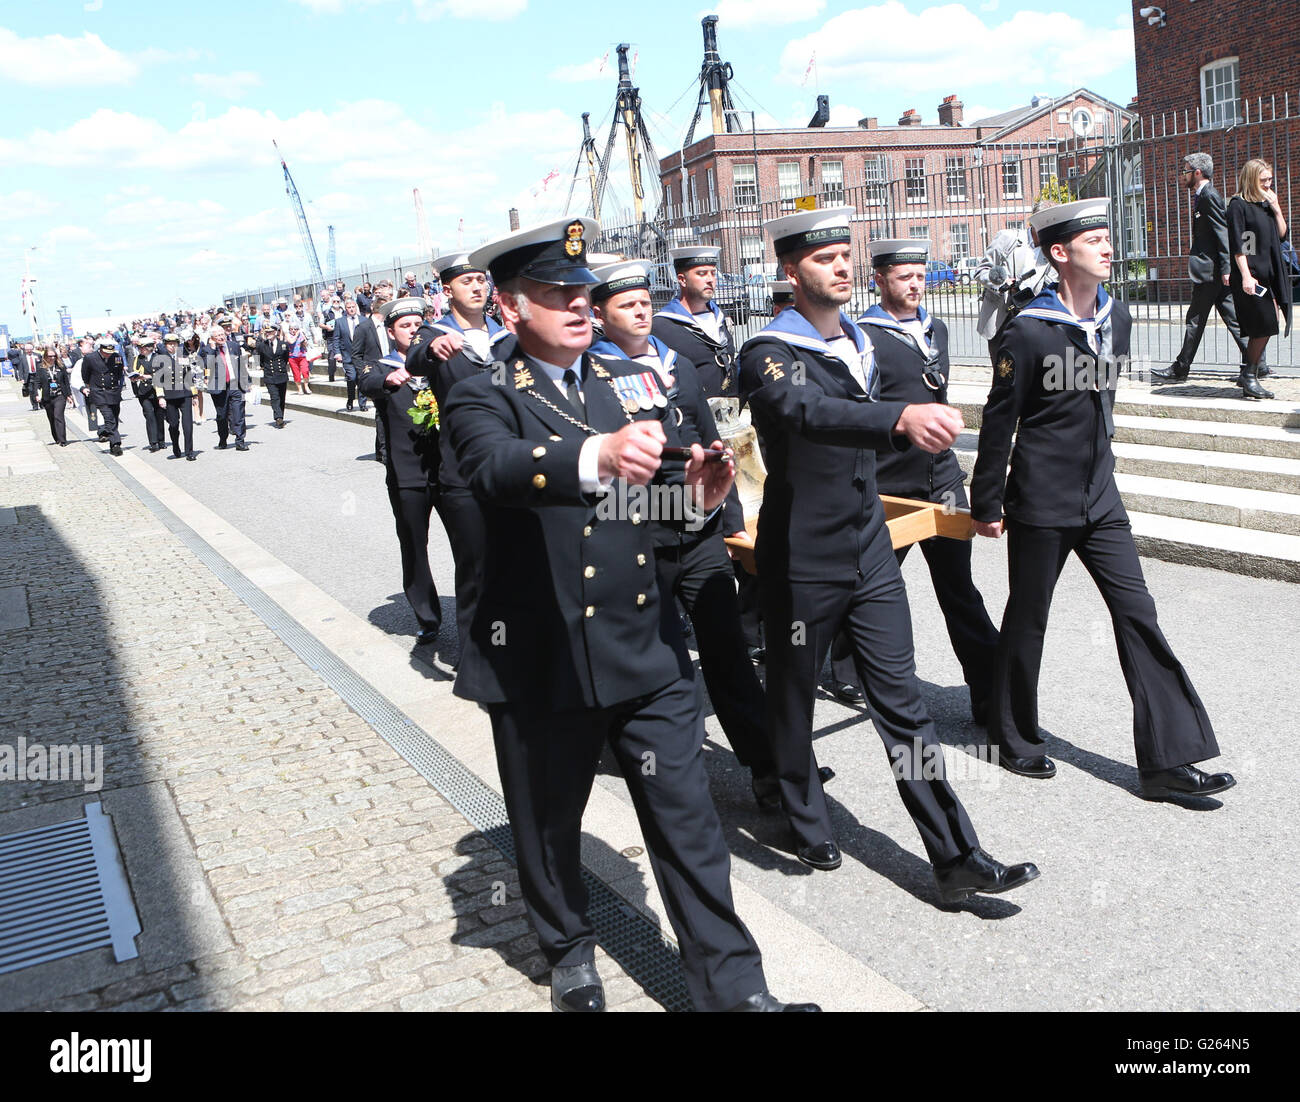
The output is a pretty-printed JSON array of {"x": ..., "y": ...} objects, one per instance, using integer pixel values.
[
  {"x": 871, "y": 122},
  {"x": 911, "y": 117},
  {"x": 950, "y": 111},
  {"x": 514, "y": 219}
]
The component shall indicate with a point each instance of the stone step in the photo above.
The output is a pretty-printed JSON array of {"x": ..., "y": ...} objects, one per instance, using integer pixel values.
[
  {"x": 969, "y": 397},
  {"x": 1250, "y": 472},
  {"x": 1208, "y": 436},
  {"x": 321, "y": 404},
  {"x": 1223, "y": 547}
]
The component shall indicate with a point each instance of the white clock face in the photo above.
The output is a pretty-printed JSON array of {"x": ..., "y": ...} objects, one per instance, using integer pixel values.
[{"x": 1081, "y": 121}]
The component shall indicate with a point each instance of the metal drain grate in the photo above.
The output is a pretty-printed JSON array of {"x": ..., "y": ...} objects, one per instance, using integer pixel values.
[
  {"x": 626, "y": 934},
  {"x": 63, "y": 890}
]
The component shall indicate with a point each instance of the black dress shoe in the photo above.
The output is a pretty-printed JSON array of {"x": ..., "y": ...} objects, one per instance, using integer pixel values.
[
  {"x": 221, "y": 446},
  {"x": 849, "y": 693},
  {"x": 978, "y": 872},
  {"x": 1040, "y": 768},
  {"x": 191, "y": 457},
  {"x": 279, "y": 423},
  {"x": 824, "y": 856},
  {"x": 577, "y": 989},
  {"x": 241, "y": 447},
  {"x": 348, "y": 408},
  {"x": 1183, "y": 780},
  {"x": 825, "y": 773},
  {"x": 1174, "y": 373},
  {"x": 766, "y": 1003},
  {"x": 757, "y": 654},
  {"x": 424, "y": 638},
  {"x": 115, "y": 449}
]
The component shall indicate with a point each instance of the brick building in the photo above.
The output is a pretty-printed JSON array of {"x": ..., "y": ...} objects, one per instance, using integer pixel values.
[
  {"x": 1221, "y": 77},
  {"x": 956, "y": 183}
]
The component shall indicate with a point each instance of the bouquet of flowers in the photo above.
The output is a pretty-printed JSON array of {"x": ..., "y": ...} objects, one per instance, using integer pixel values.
[{"x": 425, "y": 410}]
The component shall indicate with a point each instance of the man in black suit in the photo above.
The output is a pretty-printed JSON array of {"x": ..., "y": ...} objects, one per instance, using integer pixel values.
[
  {"x": 573, "y": 644},
  {"x": 25, "y": 369},
  {"x": 825, "y": 559},
  {"x": 1053, "y": 388},
  {"x": 370, "y": 344},
  {"x": 1208, "y": 266},
  {"x": 225, "y": 370},
  {"x": 103, "y": 378},
  {"x": 345, "y": 332},
  {"x": 411, "y": 460},
  {"x": 273, "y": 350}
]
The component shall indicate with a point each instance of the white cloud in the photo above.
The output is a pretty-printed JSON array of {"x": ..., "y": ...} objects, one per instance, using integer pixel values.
[
  {"x": 25, "y": 204},
  {"x": 234, "y": 85},
  {"x": 56, "y": 60},
  {"x": 762, "y": 13},
  {"x": 844, "y": 115},
  {"x": 493, "y": 11},
  {"x": 949, "y": 45},
  {"x": 598, "y": 68}
]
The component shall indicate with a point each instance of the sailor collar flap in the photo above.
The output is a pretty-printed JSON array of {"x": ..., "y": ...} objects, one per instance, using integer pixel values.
[
  {"x": 881, "y": 319},
  {"x": 676, "y": 311}
]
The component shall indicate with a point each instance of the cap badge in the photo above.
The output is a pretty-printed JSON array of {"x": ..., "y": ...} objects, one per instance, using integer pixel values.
[{"x": 573, "y": 246}]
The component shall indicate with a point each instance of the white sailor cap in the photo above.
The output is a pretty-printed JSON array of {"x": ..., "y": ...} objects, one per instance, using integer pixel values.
[
  {"x": 622, "y": 275},
  {"x": 408, "y": 307},
  {"x": 808, "y": 229},
  {"x": 148, "y": 339},
  {"x": 454, "y": 264},
  {"x": 686, "y": 257},
  {"x": 782, "y": 290},
  {"x": 1061, "y": 223},
  {"x": 899, "y": 251},
  {"x": 106, "y": 342},
  {"x": 171, "y": 338},
  {"x": 552, "y": 253}
]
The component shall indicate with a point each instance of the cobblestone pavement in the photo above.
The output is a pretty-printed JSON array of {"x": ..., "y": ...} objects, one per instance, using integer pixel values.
[{"x": 340, "y": 878}]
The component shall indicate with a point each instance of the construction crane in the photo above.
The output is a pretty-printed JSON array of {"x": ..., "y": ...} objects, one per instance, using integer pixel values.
[
  {"x": 333, "y": 257},
  {"x": 308, "y": 245},
  {"x": 422, "y": 226}
]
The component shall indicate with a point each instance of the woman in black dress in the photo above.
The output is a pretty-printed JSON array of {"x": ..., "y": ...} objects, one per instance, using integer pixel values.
[
  {"x": 55, "y": 390},
  {"x": 1261, "y": 286}
]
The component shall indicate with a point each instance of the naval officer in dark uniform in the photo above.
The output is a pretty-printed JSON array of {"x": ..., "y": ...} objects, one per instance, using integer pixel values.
[
  {"x": 693, "y": 565},
  {"x": 462, "y": 343},
  {"x": 411, "y": 458},
  {"x": 1053, "y": 386},
  {"x": 692, "y": 324},
  {"x": 155, "y": 422},
  {"x": 911, "y": 350},
  {"x": 273, "y": 350},
  {"x": 103, "y": 378},
  {"x": 573, "y": 643},
  {"x": 824, "y": 556},
  {"x": 175, "y": 384}
]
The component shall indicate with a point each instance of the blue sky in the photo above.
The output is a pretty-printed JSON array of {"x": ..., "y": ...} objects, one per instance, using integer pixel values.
[{"x": 137, "y": 135}]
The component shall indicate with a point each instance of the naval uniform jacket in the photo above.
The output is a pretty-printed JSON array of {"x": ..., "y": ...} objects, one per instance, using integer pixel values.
[
  {"x": 104, "y": 380},
  {"x": 714, "y": 360},
  {"x": 412, "y": 455},
  {"x": 904, "y": 367},
  {"x": 570, "y": 614},
  {"x": 173, "y": 376},
  {"x": 274, "y": 354},
  {"x": 444, "y": 374},
  {"x": 695, "y": 423},
  {"x": 820, "y": 430},
  {"x": 1045, "y": 382}
]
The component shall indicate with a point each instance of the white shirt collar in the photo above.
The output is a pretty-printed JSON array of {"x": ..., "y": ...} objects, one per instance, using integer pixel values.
[{"x": 1200, "y": 187}]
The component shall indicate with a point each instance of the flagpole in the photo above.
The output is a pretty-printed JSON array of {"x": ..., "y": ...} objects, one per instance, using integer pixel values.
[{"x": 31, "y": 295}]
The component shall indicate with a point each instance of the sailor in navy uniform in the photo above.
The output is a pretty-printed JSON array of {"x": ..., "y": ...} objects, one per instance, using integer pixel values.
[
  {"x": 462, "y": 343},
  {"x": 155, "y": 422},
  {"x": 693, "y": 326},
  {"x": 1053, "y": 387},
  {"x": 824, "y": 555},
  {"x": 693, "y": 566},
  {"x": 411, "y": 459},
  {"x": 103, "y": 378},
  {"x": 574, "y": 644},
  {"x": 175, "y": 384},
  {"x": 911, "y": 348}
]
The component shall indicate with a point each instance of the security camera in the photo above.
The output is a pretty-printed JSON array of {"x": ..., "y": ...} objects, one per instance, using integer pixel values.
[{"x": 1154, "y": 16}]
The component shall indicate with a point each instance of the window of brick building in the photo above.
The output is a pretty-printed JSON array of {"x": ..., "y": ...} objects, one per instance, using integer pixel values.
[
  {"x": 954, "y": 170},
  {"x": 832, "y": 183},
  {"x": 959, "y": 240},
  {"x": 751, "y": 250},
  {"x": 711, "y": 196},
  {"x": 1220, "y": 94},
  {"x": 874, "y": 172},
  {"x": 744, "y": 185},
  {"x": 918, "y": 231},
  {"x": 1046, "y": 169},
  {"x": 1011, "y": 187},
  {"x": 914, "y": 180},
  {"x": 695, "y": 199},
  {"x": 788, "y": 186}
]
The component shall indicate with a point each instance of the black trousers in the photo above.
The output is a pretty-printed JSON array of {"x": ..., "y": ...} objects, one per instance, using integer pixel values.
[
  {"x": 276, "y": 391},
  {"x": 56, "y": 410},
  {"x": 228, "y": 405},
  {"x": 1205, "y": 298},
  {"x": 751, "y": 618},
  {"x": 972, "y": 634},
  {"x": 381, "y": 440},
  {"x": 411, "y": 510},
  {"x": 109, "y": 412},
  {"x": 462, "y": 517},
  {"x": 350, "y": 377},
  {"x": 180, "y": 416},
  {"x": 333, "y": 362},
  {"x": 801, "y": 619},
  {"x": 1170, "y": 725},
  {"x": 547, "y": 763},
  {"x": 31, "y": 394},
  {"x": 699, "y": 574},
  {"x": 154, "y": 421}
]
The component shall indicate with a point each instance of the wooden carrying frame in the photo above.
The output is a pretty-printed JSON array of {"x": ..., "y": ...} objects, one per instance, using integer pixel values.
[{"x": 909, "y": 521}]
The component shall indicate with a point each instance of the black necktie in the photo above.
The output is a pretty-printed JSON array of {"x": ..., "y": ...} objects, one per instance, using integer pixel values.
[{"x": 574, "y": 394}]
